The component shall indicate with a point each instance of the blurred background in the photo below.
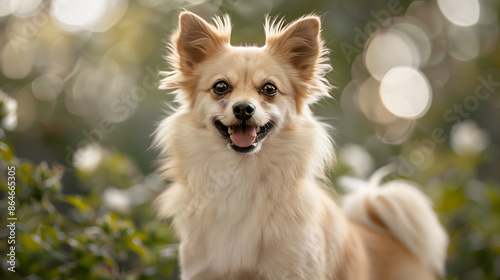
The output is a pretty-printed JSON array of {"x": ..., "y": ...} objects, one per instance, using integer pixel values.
[{"x": 417, "y": 86}]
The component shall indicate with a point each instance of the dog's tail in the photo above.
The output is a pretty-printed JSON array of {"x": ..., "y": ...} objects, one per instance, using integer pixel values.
[{"x": 402, "y": 209}]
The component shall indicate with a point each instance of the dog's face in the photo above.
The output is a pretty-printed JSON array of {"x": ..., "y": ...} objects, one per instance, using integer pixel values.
[{"x": 246, "y": 94}]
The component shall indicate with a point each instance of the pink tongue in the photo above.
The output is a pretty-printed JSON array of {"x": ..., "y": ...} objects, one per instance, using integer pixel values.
[{"x": 243, "y": 136}]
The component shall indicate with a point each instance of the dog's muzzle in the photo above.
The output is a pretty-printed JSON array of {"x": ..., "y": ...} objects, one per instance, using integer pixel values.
[{"x": 243, "y": 137}]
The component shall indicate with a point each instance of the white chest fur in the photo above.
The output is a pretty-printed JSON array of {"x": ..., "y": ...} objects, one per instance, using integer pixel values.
[{"x": 228, "y": 207}]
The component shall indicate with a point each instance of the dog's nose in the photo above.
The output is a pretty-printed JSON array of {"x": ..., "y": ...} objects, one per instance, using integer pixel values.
[{"x": 243, "y": 110}]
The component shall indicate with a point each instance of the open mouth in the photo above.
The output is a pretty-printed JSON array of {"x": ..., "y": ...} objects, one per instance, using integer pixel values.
[{"x": 243, "y": 137}]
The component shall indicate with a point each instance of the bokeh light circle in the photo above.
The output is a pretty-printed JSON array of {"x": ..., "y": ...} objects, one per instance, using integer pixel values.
[
  {"x": 460, "y": 12},
  {"x": 389, "y": 49},
  {"x": 463, "y": 43},
  {"x": 419, "y": 39},
  {"x": 8, "y": 6},
  {"x": 405, "y": 92},
  {"x": 370, "y": 103},
  {"x": 397, "y": 132},
  {"x": 47, "y": 87},
  {"x": 92, "y": 15}
]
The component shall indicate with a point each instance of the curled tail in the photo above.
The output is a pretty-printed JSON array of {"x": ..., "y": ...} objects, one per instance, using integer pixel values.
[{"x": 400, "y": 208}]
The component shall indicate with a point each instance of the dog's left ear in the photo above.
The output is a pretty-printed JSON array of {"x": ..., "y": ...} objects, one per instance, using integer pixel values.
[{"x": 299, "y": 43}]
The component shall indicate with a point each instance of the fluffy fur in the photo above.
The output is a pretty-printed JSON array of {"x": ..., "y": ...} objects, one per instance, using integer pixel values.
[{"x": 264, "y": 213}]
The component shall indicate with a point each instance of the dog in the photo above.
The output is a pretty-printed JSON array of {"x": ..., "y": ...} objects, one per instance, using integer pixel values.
[{"x": 247, "y": 160}]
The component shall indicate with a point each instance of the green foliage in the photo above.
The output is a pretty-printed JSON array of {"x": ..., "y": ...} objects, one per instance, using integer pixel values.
[
  {"x": 471, "y": 213},
  {"x": 76, "y": 236}
]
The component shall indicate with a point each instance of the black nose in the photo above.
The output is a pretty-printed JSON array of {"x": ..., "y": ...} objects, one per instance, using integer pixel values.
[{"x": 243, "y": 110}]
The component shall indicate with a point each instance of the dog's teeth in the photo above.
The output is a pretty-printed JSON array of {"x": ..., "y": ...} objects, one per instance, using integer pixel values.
[
  {"x": 230, "y": 130},
  {"x": 258, "y": 129}
]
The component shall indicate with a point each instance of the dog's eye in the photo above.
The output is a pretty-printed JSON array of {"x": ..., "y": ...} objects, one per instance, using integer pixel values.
[
  {"x": 221, "y": 88},
  {"x": 269, "y": 89}
]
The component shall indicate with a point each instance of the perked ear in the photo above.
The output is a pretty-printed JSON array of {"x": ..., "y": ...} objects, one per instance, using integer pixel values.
[
  {"x": 299, "y": 42},
  {"x": 195, "y": 39}
]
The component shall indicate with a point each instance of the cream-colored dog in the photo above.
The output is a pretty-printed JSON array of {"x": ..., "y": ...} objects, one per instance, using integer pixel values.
[{"x": 247, "y": 160}]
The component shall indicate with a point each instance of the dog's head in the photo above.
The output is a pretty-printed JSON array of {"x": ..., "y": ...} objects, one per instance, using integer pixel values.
[{"x": 246, "y": 94}]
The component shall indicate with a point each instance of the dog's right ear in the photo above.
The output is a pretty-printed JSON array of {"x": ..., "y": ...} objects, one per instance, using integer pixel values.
[{"x": 195, "y": 39}]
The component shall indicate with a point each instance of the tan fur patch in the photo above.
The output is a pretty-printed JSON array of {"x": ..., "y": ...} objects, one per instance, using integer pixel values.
[
  {"x": 388, "y": 259},
  {"x": 372, "y": 214}
]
